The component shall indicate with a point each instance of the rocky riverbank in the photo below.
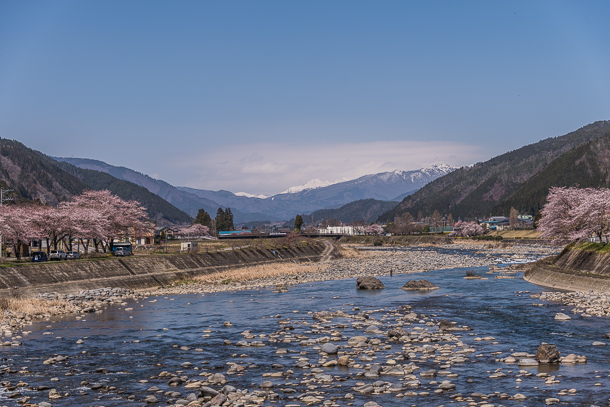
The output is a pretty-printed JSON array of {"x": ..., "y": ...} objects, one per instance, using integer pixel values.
[
  {"x": 60, "y": 304},
  {"x": 383, "y": 261},
  {"x": 585, "y": 304},
  {"x": 374, "y": 262}
]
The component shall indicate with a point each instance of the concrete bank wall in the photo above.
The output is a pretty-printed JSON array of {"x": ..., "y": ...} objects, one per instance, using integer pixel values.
[
  {"x": 573, "y": 270},
  {"x": 146, "y": 271}
]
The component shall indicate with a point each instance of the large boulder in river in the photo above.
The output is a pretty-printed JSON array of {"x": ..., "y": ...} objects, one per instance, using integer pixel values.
[
  {"x": 419, "y": 285},
  {"x": 369, "y": 283},
  {"x": 547, "y": 353}
]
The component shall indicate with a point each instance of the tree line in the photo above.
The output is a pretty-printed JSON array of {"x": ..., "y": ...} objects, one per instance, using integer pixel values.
[{"x": 93, "y": 216}]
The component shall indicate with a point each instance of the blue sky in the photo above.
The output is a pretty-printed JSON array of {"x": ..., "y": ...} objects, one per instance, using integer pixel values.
[{"x": 259, "y": 96}]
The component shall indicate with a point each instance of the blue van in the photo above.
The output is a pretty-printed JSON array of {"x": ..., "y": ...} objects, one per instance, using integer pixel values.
[{"x": 39, "y": 256}]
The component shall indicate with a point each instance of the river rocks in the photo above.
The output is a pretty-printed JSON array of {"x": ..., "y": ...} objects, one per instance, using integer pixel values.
[
  {"x": 281, "y": 288},
  {"x": 598, "y": 343},
  {"x": 446, "y": 385},
  {"x": 54, "y": 394},
  {"x": 547, "y": 353},
  {"x": 150, "y": 399},
  {"x": 217, "y": 378},
  {"x": 369, "y": 283},
  {"x": 356, "y": 341},
  {"x": 364, "y": 389},
  {"x": 419, "y": 285},
  {"x": 218, "y": 400},
  {"x": 329, "y": 348},
  {"x": 208, "y": 391},
  {"x": 428, "y": 374},
  {"x": 527, "y": 362},
  {"x": 397, "y": 333},
  {"x": 266, "y": 385},
  {"x": 562, "y": 317}
]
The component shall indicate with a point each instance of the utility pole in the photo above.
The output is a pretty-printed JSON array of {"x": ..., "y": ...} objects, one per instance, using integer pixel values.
[{"x": 2, "y": 199}]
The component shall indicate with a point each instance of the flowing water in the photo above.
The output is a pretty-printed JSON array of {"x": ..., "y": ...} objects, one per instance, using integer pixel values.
[{"x": 124, "y": 347}]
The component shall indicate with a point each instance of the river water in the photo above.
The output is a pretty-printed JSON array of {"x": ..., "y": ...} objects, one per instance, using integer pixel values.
[{"x": 124, "y": 347}]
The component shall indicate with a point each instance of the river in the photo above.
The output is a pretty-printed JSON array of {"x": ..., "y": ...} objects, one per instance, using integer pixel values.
[{"x": 121, "y": 348}]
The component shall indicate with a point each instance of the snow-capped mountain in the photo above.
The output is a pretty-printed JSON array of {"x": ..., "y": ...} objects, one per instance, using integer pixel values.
[
  {"x": 313, "y": 184},
  {"x": 247, "y": 195},
  {"x": 384, "y": 186}
]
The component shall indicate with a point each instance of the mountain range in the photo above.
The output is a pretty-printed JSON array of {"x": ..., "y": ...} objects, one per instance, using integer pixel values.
[
  {"x": 519, "y": 178},
  {"x": 384, "y": 186}
]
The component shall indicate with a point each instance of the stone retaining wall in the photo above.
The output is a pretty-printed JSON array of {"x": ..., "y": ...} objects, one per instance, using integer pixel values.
[
  {"x": 69, "y": 277},
  {"x": 573, "y": 270}
]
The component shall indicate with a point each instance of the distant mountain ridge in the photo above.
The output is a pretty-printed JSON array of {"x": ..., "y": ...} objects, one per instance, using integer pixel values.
[
  {"x": 481, "y": 189},
  {"x": 383, "y": 186}
]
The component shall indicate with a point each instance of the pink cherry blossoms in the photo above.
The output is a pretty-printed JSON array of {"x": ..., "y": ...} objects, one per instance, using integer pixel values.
[
  {"x": 576, "y": 213},
  {"x": 466, "y": 229},
  {"x": 93, "y": 216},
  {"x": 373, "y": 229},
  {"x": 196, "y": 230}
]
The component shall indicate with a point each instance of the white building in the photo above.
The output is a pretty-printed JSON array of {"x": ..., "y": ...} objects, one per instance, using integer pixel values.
[{"x": 341, "y": 230}]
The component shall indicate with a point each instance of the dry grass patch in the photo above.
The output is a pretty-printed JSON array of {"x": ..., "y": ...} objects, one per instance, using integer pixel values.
[
  {"x": 264, "y": 271},
  {"x": 352, "y": 252},
  {"x": 33, "y": 307}
]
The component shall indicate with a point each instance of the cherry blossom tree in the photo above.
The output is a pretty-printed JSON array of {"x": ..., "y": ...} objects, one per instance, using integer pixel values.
[
  {"x": 196, "y": 230},
  {"x": 16, "y": 226},
  {"x": 119, "y": 218},
  {"x": 467, "y": 229},
  {"x": 373, "y": 229},
  {"x": 576, "y": 213}
]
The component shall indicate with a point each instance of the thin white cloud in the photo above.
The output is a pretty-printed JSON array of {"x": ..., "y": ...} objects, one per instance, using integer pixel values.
[{"x": 271, "y": 168}]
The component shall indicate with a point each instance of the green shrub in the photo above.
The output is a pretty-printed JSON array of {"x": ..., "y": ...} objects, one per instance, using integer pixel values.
[{"x": 378, "y": 242}]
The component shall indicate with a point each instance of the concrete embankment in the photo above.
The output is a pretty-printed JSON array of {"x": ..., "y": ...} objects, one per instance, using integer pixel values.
[
  {"x": 146, "y": 271},
  {"x": 573, "y": 270}
]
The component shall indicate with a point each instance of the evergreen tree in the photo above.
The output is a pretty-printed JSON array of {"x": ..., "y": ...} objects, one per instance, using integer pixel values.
[
  {"x": 221, "y": 220},
  {"x": 203, "y": 218},
  {"x": 298, "y": 222},
  {"x": 229, "y": 219}
]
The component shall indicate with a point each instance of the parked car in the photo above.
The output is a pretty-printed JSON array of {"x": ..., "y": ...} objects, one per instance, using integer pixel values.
[
  {"x": 39, "y": 256},
  {"x": 57, "y": 255},
  {"x": 73, "y": 255},
  {"x": 120, "y": 252}
]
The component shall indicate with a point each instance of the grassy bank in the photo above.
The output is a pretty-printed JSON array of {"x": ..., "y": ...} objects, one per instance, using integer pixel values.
[{"x": 590, "y": 247}]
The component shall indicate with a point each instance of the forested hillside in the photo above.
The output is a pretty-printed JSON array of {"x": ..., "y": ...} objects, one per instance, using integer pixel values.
[
  {"x": 157, "y": 207},
  {"x": 35, "y": 177},
  {"x": 475, "y": 191},
  {"x": 585, "y": 166},
  {"x": 363, "y": 210}
]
